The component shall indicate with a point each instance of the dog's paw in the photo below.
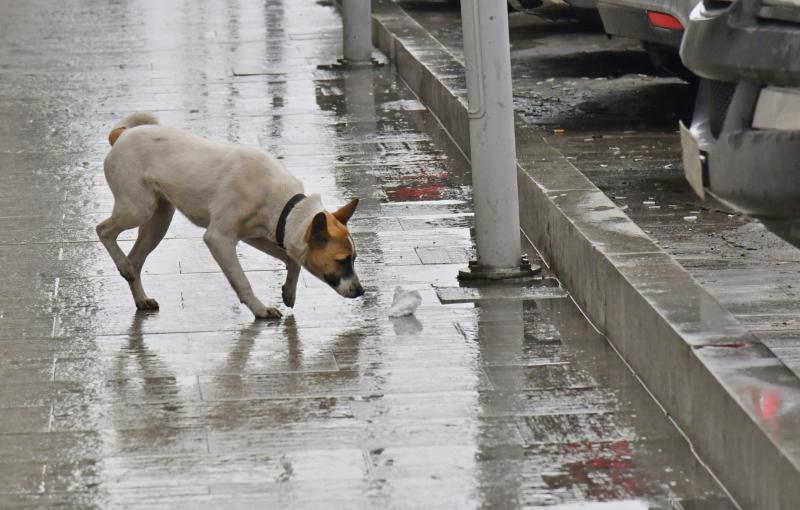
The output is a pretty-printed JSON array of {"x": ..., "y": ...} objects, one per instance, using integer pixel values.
[
  {"x": 288, "y": 296},
  {"x": 147, "y": 304},
  {"x": 268, "y": 313}
]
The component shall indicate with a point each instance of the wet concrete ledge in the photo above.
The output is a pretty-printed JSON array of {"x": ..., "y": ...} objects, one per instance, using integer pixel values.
[{"x": 710, "y": 374}]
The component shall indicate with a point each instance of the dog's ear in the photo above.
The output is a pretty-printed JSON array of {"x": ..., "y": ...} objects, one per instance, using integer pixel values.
[
  {"x": 319, "y": 229},
  {"x": 346, "y": 211}
]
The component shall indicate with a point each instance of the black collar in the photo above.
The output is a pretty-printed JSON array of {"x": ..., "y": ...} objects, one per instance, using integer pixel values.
[{"x": 280, "y": 230}]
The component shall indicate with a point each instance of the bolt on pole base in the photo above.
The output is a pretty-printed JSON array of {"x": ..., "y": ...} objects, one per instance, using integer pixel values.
[{"x": 476, "y": 273}]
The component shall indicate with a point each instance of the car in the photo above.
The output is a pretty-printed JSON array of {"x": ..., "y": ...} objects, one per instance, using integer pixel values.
[
  {"x": 743, "y": 143},
  {"x": 658, "y": 24},
  {"x": 557, "y": 9}
]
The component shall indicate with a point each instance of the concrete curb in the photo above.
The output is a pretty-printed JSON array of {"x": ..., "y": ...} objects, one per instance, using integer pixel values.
[{"x": 711, "y": 375}]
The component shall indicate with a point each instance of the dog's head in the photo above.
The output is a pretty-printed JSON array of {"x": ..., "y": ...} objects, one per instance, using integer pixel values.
[{"x": 331, "y": 251}]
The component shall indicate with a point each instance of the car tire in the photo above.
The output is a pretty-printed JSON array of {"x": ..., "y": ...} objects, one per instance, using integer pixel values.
[{"x": 666, "y": 59}]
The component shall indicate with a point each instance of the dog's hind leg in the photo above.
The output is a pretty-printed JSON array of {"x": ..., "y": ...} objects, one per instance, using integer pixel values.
[
  {"x": 150, "y": 234},
  {"x": 125, "y": 216},
  {"x": 223, "y": 248},
  {"x": 289, "y": 289}
]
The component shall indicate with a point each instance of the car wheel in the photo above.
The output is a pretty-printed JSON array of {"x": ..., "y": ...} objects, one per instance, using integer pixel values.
[{"x": 667, "y": 59}]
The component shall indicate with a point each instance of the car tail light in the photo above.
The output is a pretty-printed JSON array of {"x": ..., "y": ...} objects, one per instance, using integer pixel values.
[{"x": 663, "y": 20}]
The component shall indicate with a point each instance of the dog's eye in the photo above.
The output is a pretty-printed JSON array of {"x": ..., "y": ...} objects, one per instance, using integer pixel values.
[
  {"x": 345, "y": 267},
  {"x": 332, "y": 279}
]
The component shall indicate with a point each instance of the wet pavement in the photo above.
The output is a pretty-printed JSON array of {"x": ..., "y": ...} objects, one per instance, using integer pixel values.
[
  {"x": 615, "y": 117},
  {"x": 503, "y": 404}
]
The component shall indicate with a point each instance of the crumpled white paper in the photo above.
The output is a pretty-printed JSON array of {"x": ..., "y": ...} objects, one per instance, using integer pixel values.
[{"x": 405, "y": 302}]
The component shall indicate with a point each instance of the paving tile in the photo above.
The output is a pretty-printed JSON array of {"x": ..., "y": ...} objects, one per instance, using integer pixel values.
[
  {"x": 576, "y": 427},
  {"x": 50, "y": 500},
  {"x": 301, "y": 466},
  {"x": 447, "y": 255},
  {"x": 44, "y": 446},
  {"x": 25, "y": 419},
  {"x": 308, "y": 435},
  {"x": 21, "y": 477},
  {"x": 333, "y": 494},
  {"x": 167, "y": 497},
  {"x": 25, "y": 369},
  {"x": 457, "y": 431},
  {"x": 414, "y": 355},
  {"x": 37, "y": 394},
  {"x": 541, "y": 377},
  {"x": 154, "y": 364},
  {"x": 366, "y": 382},
  {"x": 418, "y": 405},
  {"x": 225, "y": 415}
]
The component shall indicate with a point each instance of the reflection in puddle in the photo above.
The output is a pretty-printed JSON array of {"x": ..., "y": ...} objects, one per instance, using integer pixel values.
[{"x": 593, "y": 439}]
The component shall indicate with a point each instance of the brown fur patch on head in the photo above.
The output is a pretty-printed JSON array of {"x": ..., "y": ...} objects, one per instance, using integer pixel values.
[
  {"x": 114, "y": 134},
  {"x": 329, "y": 243}
]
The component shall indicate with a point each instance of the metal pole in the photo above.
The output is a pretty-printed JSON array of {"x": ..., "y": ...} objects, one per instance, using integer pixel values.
[
  {"x": 492, "y": 145},
  {"x": 357, "y": 34}
]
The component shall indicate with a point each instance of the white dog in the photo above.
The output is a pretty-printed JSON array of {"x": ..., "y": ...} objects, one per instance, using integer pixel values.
[{"x": 235, "y": 193}]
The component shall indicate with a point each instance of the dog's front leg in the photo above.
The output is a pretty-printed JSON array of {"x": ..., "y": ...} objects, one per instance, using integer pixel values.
[
  {"x": 289, "y": 289},
  {"x": 223, "y": 248}
]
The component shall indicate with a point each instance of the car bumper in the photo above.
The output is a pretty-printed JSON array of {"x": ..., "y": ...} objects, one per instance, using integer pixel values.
[
  {"x": 728, "y": 44},
  {"x": 631, "y": 21},
  {"x": 754, "y": 170},
  {"x": 540, "y": 7}
]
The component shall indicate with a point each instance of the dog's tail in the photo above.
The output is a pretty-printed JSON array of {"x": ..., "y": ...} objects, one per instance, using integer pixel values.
[{"x": 132, "y": 120}]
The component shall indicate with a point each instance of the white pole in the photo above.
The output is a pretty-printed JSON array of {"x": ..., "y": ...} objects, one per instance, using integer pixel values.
[
  {"x": 357, "y": 33},
  {"x": 491, "y": 126}
]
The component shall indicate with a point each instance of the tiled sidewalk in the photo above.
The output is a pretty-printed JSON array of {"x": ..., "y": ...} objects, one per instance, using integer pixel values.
[{"x": 503, "y": 405}]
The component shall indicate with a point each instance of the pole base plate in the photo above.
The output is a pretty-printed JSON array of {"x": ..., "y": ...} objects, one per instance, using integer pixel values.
[
  {"x": 476, "y": 273},
  {"x": 378, "y": 59}
]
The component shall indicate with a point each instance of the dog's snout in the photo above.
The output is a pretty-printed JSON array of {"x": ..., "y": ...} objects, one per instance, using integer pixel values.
[
  {"x": 352, "y": 291},
  {"x": 350, "y": 288}
]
